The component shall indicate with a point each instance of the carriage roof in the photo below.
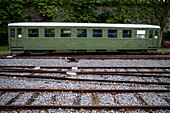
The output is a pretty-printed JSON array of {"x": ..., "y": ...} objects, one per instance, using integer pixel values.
[{"x": 82, "y": 25}]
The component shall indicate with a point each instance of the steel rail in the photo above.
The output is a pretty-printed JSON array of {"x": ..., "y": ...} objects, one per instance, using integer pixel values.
[
  {"x": 93, "y": 72},
  {"x": 79, "y": 79},
  {"x": 137, "y": 75},
  {"x": 83, "y": 90},
  {"x": 81, "y": 106},
  {"x": 94, "y": 56},
  {"x": 124, "y": 74},
  {"x": 110, "y": 72},
  {"x": 114, "y": 74},
  {"x": 58, "y": 67}
]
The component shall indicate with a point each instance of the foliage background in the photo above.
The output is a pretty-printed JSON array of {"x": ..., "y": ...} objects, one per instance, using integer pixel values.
[{"x": 155, "y": 12}]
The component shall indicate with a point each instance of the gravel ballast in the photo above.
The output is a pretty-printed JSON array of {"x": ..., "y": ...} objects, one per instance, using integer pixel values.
[
  {"x": 83, "y": 63},
  {"x": 70, "y": 98}
]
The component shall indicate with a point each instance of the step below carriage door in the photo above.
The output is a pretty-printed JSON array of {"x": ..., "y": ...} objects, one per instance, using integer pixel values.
[
  {"x": 151, "y": 38},
  {"x": 19, "y": 37}
]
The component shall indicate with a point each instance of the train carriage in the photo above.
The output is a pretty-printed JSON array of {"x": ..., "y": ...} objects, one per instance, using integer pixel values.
[{"x": 51, "y": 36}]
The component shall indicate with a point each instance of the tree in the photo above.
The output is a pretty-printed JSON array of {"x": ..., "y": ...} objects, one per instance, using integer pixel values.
[
  {"x": 10, "y": 11},
  {"x": 47, "y": 8},
  {"x": 162, "y": 12},
  {"x": 154, "y": 12},
  {"x": 80, "y": 11}
]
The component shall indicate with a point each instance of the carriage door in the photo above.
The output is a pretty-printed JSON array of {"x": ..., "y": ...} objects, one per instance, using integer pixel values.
[
  {"x": 13, "y": 38},
  {"x": 19, "y": 37},
  {"x": 151, "y": 39}
]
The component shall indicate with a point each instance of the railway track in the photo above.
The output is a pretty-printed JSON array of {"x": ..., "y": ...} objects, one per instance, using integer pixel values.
[
  {"x": 75, "y": 71},
  {"x": 81, "y": 98},
  {"x": 36, "y": 72},
  {"x": 90, "y": 56},
  {"x": 148, "y": 88}
]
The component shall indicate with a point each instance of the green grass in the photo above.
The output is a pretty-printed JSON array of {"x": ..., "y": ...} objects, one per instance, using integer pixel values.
[
  {"x": 4, "y": 48},
  {"x": 161, "y": 48}
]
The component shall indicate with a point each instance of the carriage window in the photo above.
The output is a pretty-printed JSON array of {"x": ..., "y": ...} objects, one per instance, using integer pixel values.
[
  {"x": 156, "y": 34},
  {"x": 112, "y": 33},
  {"x": 141, "y": 33},
  {"x": 19, "y": 32},
  {"x": 49, "y": 32},
  {"x": 97, "y": 32},
  {"x": 127, "y": 33},
  {"x": 65, "y": 32},
  {"x": 33, "y": 32},
  {"x": 150, "y": 33},
  {"x": 12, "y": 32},
  {"x": 81, "y": 33}
]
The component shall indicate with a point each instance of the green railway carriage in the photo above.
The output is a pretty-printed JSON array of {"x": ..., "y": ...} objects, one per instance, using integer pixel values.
[{"x": 51, "y": 36}]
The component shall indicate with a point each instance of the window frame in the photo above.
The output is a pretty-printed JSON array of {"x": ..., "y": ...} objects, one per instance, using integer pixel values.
[
  {"x": 49, "y": 33},
  {"x": 33, "y": 33},
  {"x": 69, "y": 29},
  {"x": 12, "y": 33},
  {"x": 141, "y": 30},
  {"x": 126, "y": 33},
  {"x": 82, "y": 33},
  {"x": 112, "y": 33},
  {"x": 19, "y": 32},
  {"x": 97, "y": 33},
  {"x": 150, "y": 31},
  {"x": 156, "y": 34}
]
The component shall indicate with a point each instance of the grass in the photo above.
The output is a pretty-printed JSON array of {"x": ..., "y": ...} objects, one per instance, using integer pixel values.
[
  {"x": 161, "y": 48},
  {"x": 4, "y": 48}
]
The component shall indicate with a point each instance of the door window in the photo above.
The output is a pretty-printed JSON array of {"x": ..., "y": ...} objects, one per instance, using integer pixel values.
[
  {"x": 156, "y": 34},
  {"x": 19, "y": 32},
  {"x": 12, "y": 32},
  {"x": 150, "y": 33}
]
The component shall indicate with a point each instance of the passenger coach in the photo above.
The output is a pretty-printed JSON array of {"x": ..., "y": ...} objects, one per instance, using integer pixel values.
[{"x": 47, "y": 37}]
